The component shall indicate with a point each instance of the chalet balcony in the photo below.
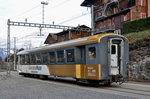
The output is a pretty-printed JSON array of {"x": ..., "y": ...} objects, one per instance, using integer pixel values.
[
  {"x": 101, "y": 11},
  {"x": 105, "y": 29},
  {"x": 111, "y": 2}
]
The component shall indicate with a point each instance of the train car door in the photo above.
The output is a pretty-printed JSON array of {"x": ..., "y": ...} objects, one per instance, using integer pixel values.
[
  {"x": 81, "y": 59},
  {"x": 115, "y": 56},
  {"x": 80, "y": 55}
]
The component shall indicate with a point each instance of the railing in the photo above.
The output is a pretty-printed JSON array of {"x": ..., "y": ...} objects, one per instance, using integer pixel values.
[
  {"x": 100, "y": 11},
  {"x": 105, "y": 28}
]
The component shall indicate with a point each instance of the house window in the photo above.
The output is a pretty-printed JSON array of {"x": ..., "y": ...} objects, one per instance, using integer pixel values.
[
  {"x": 125, "y": 17},
  {"x": 52, "y": 57},
  {"x": 143, "y": 15},
  {"x": 60, "y": 56},
  {"x": 109, "y": 22},
  {"x": 141, "y": 2},
  {"x": 78, "y": 32},
  {"x": 70, "y": 55},
  {"x": 104, "y": 24},
  {"x": 92, "y": 53}
]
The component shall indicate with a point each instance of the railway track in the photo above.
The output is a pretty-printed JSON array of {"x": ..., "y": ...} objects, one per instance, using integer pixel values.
[
  {"x": 116, "y": 88},
  {"x": 136, "y": 90},
  {"x": 129, "y": 90}
]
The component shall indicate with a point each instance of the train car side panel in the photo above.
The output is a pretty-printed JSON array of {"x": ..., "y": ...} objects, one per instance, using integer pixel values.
[
  {"x": 35, "y": 69},
  {"x": 92, "y": 72},
  {"x": 63, "y": 70}
]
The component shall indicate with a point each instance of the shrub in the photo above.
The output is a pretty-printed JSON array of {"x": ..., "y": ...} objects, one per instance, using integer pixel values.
[{"x": 136, "y": 26}]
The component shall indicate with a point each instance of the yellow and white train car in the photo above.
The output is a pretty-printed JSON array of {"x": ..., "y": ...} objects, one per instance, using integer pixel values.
[{"x": 97, "y": 58}]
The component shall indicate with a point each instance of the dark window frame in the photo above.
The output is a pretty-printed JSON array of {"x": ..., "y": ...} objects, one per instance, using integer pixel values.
[
  {"x": 90, "y": 52},
  {"x": 73, "y": 58},
  {"x": 22, "y": 60},
  {"x": 113, "y": 49},
  {"x": 27, "y": 62},
  {"x": 49, "y": 57},
  {"x": 40, "y": 60},
  {"x": 34, "y": 61},
  {"x": 43, "y": 61},
  {"x": 63, "y": 59}
]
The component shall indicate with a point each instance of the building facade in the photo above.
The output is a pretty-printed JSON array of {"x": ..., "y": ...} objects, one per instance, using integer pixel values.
[
  {"x": 67, "y": 35},
  {"x": 109, "y": 15},
  {"x": 148, "y": 8}
]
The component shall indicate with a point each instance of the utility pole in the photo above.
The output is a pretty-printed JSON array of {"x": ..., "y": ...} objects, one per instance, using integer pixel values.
[
  {"x": 43, "y": 3},
  {"x": 14, "y": 53},
  {"x": 92, "y": 19},
  {"x": 8, "y": 48}
]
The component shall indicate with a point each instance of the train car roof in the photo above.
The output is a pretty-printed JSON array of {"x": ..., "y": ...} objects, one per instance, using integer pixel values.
[{"x": 70, "y": 43}]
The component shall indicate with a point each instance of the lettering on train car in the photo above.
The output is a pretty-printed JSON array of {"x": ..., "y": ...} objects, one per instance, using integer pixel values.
[{"x": 35, "y": 67}]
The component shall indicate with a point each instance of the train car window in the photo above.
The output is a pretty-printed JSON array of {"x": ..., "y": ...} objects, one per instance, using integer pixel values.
[
  {"x": 23, "y": 59},
  {"x": 32, "y": 59},
  {"x": 38, "y": 58},
  {"x": 52, "y": 57},
  {"x": 113, "y": 49},
  {"x": 60, "y": 56},
  {"x": 27, "y": 58},
  {"x": 45, "y": 58},
  {"x": 92, "y": 53},
  {"x": 70, "y": 55}
]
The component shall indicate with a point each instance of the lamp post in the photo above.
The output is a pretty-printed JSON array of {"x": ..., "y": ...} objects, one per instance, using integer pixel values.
[{"x": 43, "y": 3}]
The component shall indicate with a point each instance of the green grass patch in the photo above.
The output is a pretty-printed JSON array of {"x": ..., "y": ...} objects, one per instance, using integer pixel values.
[{"x": 138, "y": 39}]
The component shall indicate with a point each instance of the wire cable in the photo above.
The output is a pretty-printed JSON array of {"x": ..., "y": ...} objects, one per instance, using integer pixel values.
[{"x": 27, "y": 11}]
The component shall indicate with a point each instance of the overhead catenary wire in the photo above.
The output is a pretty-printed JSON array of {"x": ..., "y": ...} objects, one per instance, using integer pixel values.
[
  {"x": 27, "y": 11},
  {"x": 73, "y": 18},
  {"x": 60, "y": 4}
]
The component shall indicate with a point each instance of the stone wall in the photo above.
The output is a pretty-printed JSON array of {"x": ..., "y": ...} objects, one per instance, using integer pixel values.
[{"x": 139, "y": 68}]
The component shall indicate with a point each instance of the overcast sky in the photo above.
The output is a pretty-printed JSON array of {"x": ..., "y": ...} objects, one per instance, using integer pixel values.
[{"x": 62, "y": 12}]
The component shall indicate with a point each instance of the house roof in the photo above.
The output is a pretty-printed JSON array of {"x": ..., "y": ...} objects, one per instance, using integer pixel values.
[
  {"x": 87, "y": 3},
  {"x": 54, "y": 35},
  {"x": 64, "y": 31}
]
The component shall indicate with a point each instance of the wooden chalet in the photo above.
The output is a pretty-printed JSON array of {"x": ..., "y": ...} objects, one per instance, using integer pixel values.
[
  {"x": 109, "y": 15},
  {"x": 66, "y": 35}
]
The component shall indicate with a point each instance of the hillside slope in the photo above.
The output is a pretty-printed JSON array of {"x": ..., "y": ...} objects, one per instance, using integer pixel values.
[{"x": 139, "y": 67}]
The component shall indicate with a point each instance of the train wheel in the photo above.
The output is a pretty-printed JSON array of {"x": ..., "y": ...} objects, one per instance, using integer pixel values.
[
  {"x": 43, "y": 77},
  {"x": 94, "y": 83},
  {"x": 24, "y": 75},
  {"x": 107, "y": 83}
]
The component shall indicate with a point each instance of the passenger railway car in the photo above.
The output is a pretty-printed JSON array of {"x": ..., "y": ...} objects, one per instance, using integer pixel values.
[{"x": 97, "y": 58}]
